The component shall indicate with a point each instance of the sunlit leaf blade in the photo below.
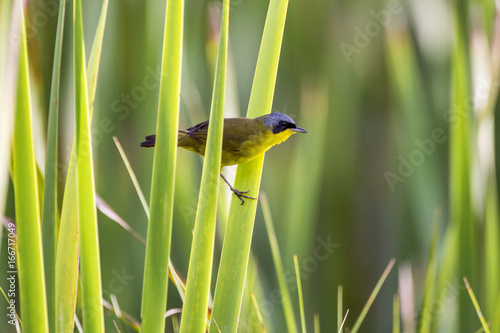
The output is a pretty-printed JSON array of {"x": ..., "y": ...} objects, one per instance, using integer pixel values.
[
  {"x": 236, "y": 248},
  {"x": 95, "y": 56},
  {"x": 29, "y": 253},
  {"x": 6, "y": 95},
  {"x": 476, "y": 306},
  {"x": 67, "y": 256},
  {"x": 395, "y": 314},
  {"x": 194, "y": 313},
  {"x": 259, "y": 314},
  {"x": 154, "y": 292},
  {"x": 93, "y": 319},
  {"x": 49, "y": 209},
  {"x": 316, "y": 323},
  {"x": 460, "y": 151},
  {"x": 68, "y": 240}
]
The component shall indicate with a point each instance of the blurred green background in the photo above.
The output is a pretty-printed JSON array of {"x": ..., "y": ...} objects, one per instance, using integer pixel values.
[{"x": 369, "y": 80}]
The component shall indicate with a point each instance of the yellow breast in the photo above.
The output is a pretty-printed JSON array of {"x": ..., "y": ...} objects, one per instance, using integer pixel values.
[{"x": 253, "y": 146}]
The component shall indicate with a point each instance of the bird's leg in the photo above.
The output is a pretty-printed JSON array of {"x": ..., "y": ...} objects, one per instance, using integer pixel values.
[{"x": 239, "y": 194}]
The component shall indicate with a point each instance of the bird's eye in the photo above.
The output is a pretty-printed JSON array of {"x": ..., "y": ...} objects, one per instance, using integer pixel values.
[{"x": 283, "y": 124}]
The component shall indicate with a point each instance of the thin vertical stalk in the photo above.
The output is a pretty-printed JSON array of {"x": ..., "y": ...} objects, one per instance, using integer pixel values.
[
  {"x": 194, "y": 313},
  {"x": 154, "y": 296},
  {"x": 236, "y": 249},
  {"x": 49, "y": 209},
  {"x": 90, "y": 266}
]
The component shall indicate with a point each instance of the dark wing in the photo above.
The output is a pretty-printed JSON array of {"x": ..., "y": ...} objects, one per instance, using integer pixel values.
[
  {"x": 201, "y": 127},
  {"x": 198, "y": 132},
  {"x": 236, "y": 132}
]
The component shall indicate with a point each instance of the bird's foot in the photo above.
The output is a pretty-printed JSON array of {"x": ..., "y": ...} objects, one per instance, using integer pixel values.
[{"x": 241, "y": 195}]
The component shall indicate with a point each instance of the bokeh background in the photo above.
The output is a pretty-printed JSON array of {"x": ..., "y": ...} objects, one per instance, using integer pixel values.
[{"x": 369, "y": 80}]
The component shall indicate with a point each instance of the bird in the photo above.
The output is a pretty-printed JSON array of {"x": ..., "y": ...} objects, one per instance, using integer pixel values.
[{"x": 243, "y": 140}]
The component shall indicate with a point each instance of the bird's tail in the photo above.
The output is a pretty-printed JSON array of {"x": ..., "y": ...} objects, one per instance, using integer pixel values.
[{"x": 150, "y": 141}]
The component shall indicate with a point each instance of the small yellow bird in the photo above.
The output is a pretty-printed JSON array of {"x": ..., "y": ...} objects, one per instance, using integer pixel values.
[{"x": 243, "y": 139}]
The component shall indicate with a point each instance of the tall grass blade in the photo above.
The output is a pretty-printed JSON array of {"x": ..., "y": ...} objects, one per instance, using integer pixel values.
[
  {"x": 90, "y": 266},
  {"x": 301, "y": 298},
  {"x": 446, "y": 273},
  {"x": 374, "y": 293},
  {"x": 395, "y": 315},
  {"x": 316, "y": 323},
  {"x": 154, "y": 295},
  {"x": 340, "y": 310},
  {"x": 343, "y": 321},
  {"x": 68, "y": 240},
  {"x": 236, "y": 247},
  {"x": 286, "y": 301},
  {"x": 259, "y": 314},
  {"x": 132, "y": 176},
  {"x": 476, "y": 306},
  {"x": 194, "y": 312},
  {"x": 492, "y": 252},
  {"x": 67, "y": 254},
  {"x": 6, "y": 95},
  {"x": 460, "y": 157},
  {"x": 491, "y": 205},
  {"x": 29, "y": 242},
  {"x": 425, "y": 319},
  {"x": 49, "y": 209},
  {"x": 95, "y": 56}
]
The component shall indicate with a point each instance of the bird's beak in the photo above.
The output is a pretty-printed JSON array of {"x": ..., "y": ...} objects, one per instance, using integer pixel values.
[{"x": 298, "y": 130}]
